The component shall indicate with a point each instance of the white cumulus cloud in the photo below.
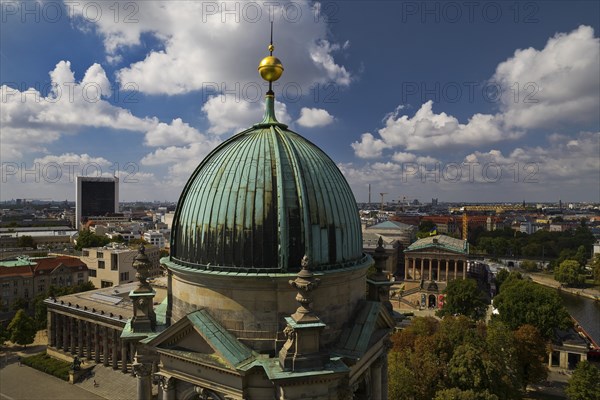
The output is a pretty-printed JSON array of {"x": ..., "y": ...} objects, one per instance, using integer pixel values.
[
  {"x": 203, "y": 44},
  {"x": 314, "y": 117},
  {"x": 229, "y": 114}
]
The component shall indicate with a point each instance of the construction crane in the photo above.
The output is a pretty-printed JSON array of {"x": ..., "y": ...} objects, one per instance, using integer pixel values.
[
  {"x": 382, "y": 194},
  {"x": 497, "y": 208}
]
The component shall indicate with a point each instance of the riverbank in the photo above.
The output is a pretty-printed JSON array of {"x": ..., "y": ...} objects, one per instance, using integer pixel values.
[{"x": 548, "y": 281}]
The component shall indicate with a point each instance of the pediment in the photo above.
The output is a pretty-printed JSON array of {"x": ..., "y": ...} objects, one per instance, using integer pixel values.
[
  {"x": 372, "y": 322},
  {"x": 198, "y": 337}
]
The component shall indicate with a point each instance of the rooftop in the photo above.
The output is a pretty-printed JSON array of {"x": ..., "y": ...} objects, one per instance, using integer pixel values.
[
  {"x": 112, "y": 302},
  {"x": 441, "y": 242}
]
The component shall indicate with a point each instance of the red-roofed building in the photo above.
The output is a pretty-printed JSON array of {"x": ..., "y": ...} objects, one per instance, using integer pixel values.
[{"x": 24, "y": 278}]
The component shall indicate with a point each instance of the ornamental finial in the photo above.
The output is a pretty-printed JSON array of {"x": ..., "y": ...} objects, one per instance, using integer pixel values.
[{"x": 270, "y": 68}]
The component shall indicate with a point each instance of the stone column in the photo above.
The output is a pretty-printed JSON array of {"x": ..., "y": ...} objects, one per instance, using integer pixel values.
[
  {"x": 105, "y": 346},
  {"x": 464, "y": 266},
  {"x": 422, "y": 266},
  {"x": 88, "y": 339},
  {"x": 123, "y": 356},
  {"x": 446, "y": 262},
  {"x": 131, "y": 355},
  {"x": 455, "y": 262},
  {"x": 59, "y": 332},
  {"x": 115, "y": 349},
  {"x": 72, "y": 324},
  {"x": 430, "y": 277},
  {"x": 376, "y": 380},
  {"x": 168, "y": 388},
  {"x": 65, "y": 338},
  {"x": 96, "y": 344},
  {"x": 413, "y": 262},
  {"x": 384, "y": 375},
  {"x": 144, "y": 382},
  {"x": 51, "y": 325},
  {"x": 406, "y": 268},
  {"x": 80, "y": 337}
]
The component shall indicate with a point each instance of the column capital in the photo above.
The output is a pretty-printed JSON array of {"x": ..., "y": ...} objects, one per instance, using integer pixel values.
[
  {"x": 166, "y": 382},
  {"x": 141, "y": 370}
]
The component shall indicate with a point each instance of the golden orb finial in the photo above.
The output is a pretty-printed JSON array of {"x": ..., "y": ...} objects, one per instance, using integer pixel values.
[{"x": 270, "y": 68}]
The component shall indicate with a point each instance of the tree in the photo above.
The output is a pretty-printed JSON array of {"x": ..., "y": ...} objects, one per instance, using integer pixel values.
[
  {"x": 88, "y": 239},
  {"x": 531, "y": 354},
  {"x": 19, "y": 304},
  {"x": 22, "y": 329},
  {"x": 457, "y": 358},
  {"x": 4, "y": 335},
  {"x": 585, "y": 383},
  {"x": 570, "y": 273},
  {"x": 529, "y": 265},
  {"x": 596, "y": 268},
  {"x": 463, "y": 297},
  {"x": 523, "y": 302},
  {"x": 457, "y": 394},
  {"x": 26, "y": 241}
]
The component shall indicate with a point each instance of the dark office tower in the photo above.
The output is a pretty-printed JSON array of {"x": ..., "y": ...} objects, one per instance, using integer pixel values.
[{"x": 96, "y": 196}]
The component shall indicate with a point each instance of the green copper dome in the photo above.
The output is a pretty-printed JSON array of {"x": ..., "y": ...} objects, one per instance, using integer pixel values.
[{"x": 262, "y": 200}]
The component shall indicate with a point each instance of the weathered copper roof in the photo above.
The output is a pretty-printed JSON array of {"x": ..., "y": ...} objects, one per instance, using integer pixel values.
[
  {"x": 442, "y": 242},
  {"x": 262, "y": 200}
]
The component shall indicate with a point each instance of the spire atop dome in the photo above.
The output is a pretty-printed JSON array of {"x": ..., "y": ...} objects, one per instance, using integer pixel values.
[{"x": 270, "y": 69}]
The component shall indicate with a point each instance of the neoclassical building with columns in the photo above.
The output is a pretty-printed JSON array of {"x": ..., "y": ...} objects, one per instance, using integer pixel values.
[
  {"x": 430, "y": 263},
  {"x": 89, "y": 325}
]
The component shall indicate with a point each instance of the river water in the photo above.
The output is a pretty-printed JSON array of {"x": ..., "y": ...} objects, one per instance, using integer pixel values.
[{"x": 584, "y": 310}]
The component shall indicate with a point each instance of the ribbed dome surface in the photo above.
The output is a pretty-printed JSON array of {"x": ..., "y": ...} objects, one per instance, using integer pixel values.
[{"x": 261, "y": 201}]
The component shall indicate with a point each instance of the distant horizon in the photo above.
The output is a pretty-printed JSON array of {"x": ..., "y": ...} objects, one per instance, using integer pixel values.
[{"x": 424, "y": 202}]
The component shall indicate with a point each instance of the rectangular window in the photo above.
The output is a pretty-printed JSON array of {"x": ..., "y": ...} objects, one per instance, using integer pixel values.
[
  {"x": 114, "y": 258},
  {"x": 80, "y": 281},
  {"x": 99, "y": 254},
  {"x": 15, "y": 283},
  {"x": 124, "y": 276},
  {"x": 92, "y": 273},
  {"x": 80, "y": 274},
  {"x": 85, "y": 253},
  {"x": 100, "y": 264},
  {"x": 104, "y": 284}
]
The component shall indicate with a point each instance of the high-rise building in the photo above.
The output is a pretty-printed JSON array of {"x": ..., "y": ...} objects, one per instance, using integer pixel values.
[{"x": 96, "y": 196}]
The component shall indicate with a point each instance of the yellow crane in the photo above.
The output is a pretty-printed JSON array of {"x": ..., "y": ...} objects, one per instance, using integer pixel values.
[
  {"x": 497, "y": 208},
  {"x": 382, "y": 194}
]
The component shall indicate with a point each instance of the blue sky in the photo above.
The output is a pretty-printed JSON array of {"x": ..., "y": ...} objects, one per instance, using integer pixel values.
[{"x": 463, "y": 101}]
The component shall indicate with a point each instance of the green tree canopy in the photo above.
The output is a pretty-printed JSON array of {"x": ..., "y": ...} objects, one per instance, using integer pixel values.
[
  {"x": 88, "y": 239},
  {"x": 457, "y": 394},
  {"x": 523, "y": 302},
  {"x": 585, "y": 383},
  {"x": 529, "y": 265},
  {"x": 459, "y": 358},
  {"x": 22, "y": 329},
  {"x": 26, "y": 241},
  {"x": 570, "y": 273},
  {"x": 463, "y": 297},
  {"x": 596, "y": 268}
]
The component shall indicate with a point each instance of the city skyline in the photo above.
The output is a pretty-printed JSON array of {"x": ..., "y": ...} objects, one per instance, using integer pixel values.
[{"x": 483, "y": 101}]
